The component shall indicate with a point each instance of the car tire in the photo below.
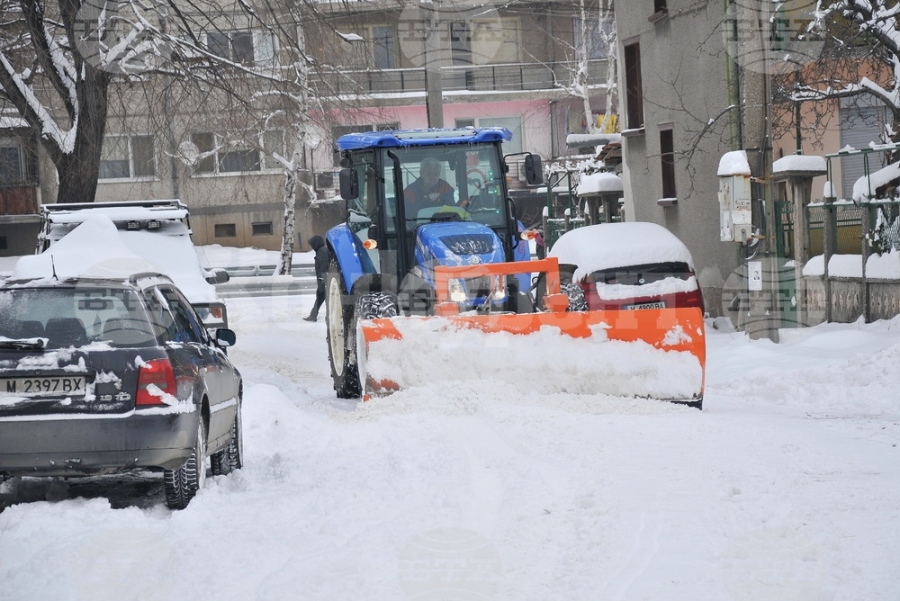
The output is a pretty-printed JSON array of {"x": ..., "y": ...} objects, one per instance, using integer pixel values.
[
  {"x": 341, "y": 336},
  {"x": 181, "y": 485},
  {"x": 577, "y": 302},
  {"x": 231, "y": 457}
]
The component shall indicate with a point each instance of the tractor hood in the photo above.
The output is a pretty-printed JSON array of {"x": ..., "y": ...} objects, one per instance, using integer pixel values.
[{"x": 456, "y": 243}]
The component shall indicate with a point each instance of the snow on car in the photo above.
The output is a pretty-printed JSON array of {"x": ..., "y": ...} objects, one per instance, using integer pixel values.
[
  {"x": 629, "y": 265},
  {"x": 105, "y": 368},
  {"x": 157, "y": 231}
]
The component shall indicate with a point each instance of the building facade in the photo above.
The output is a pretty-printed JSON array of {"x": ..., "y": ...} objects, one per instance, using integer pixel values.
[{"x": 376, "y": 65}]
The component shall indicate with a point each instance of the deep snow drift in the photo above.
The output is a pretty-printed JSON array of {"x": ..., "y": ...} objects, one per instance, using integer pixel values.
[{"x": 784, "y": 487}]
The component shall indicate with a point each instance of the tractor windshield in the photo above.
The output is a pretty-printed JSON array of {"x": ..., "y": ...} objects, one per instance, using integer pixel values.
[{"x": 449, "y": 182}]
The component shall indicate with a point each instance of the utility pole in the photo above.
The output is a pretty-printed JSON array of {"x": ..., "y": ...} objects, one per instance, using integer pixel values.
[{"x": 433, "y": 30}]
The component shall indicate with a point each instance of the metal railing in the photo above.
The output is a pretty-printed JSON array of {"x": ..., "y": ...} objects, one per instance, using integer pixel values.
[{"x": 510, "y": 77}]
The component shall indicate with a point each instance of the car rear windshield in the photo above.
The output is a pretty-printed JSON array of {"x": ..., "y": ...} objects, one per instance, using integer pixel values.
[
  {"x": 75, "y": 316},
  {"x": 638, "y": 275}
]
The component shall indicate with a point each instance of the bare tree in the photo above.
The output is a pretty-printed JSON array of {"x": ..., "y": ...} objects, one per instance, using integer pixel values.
[
  {"x": 861, "y": 56},
  {"x": 61, "y": 64}
]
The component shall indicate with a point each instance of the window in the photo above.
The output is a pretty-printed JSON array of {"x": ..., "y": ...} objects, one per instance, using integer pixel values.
[
  {"x": 187, "y": 322},
  {"x": 659, "y": 6},
  {"x": 460, "y": 43},
  {"x": 262, "y": 228},
  {"x": 495, "y": 41},
  {"x": 634, "y": 98},
  {"x": 382, "y": 40},
  {"x": 125, "y": 157},
  {"x": 667, "y": 161},
  {"x": 225, "y": 230},
  {"x": 484, "y": 41},
  {"x": 272, "y": 143},
  {"x": 11, "y": 164},
  {"x": 218, "y": 155},
  {"x": 3, "y": 243},
  {"x": 596, "y": 47},
  {"x": 513, "y": 124},
  {"x": 243, "y": 46}
]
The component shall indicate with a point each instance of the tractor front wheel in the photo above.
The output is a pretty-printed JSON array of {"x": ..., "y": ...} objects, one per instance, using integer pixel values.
[{"x": 340, "y": 324}]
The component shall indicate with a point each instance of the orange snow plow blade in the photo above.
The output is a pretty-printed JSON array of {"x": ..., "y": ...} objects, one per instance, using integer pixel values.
[{"x": 656, "y": 353}]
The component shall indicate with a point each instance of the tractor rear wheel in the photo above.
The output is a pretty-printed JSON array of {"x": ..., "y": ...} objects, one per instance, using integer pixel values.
[{"x": 340, "y": 324}]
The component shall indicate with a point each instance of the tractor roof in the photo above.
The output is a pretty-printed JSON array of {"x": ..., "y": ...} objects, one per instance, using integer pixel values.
[{"x": 422, "y": 137}]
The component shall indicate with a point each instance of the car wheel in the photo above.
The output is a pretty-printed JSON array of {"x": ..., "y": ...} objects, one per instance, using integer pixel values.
[
  {"x": 232, "y": 456},
  {"x": 182, "y": 484},
  {"x": 577, "y": 302},
  {"x": 339, "y": 324}
]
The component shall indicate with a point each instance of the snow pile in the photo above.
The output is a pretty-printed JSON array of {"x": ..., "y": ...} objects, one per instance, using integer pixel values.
[
  {"x": 865, "y": 187},
  {"x": 597, "y": 183},
  {"x": 734, "y": 163},
  {"x": 799, "y": 162},
  {"x": 885, "y": 266},
  {"x": 526, "y": 363}
]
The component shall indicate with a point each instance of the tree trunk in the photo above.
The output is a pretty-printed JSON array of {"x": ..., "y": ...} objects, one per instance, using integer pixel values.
[
  {"x": 290, "y": 200},
  {"x": 79, "y": 168}
]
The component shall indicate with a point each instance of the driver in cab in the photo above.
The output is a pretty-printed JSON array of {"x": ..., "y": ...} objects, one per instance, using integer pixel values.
[{"x": 429, "y": 190}]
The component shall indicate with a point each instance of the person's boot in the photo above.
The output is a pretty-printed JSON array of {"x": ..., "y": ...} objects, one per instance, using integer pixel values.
[{"x": 311, "y": 317}]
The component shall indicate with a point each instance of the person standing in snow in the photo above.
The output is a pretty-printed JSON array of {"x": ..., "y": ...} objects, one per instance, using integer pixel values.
[{"x": 322, "y": 258}]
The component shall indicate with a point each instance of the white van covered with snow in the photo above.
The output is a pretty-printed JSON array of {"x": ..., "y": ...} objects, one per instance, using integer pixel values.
[{"x": 159, "y": 232}]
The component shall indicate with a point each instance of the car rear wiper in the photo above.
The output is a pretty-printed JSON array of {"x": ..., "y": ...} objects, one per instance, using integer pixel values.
[{"x": 24, "y": 344}]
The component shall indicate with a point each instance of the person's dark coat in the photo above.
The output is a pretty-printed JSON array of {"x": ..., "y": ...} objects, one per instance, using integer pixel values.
[{"x": 322, "y": 257}]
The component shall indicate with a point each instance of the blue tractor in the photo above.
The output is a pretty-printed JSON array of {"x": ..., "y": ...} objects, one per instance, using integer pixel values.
[{"x": 416, "y": 200}]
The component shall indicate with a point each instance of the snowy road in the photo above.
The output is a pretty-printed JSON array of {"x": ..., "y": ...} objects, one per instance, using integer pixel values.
[{"x": 785, "y": 487}]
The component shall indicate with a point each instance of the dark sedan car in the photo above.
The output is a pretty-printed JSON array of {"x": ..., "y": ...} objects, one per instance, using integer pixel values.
[{"x": 105, "y": 376}]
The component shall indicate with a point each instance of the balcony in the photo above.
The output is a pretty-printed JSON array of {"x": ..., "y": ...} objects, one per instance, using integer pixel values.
[
  {"x": 513, "y": 77},
  {"x": 20, "y": 199}
]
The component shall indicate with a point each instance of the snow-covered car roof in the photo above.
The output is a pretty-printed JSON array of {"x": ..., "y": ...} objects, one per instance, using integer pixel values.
[
  {"x": 97, "y": 248},
  {"x": 608, "y": 245}
]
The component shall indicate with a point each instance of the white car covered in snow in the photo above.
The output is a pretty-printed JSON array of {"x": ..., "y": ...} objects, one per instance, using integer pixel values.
[{"x": 157, "y": 231}]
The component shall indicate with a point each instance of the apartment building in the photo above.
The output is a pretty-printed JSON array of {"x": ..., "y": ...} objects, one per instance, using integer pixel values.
[{"x": 374, "y": 65}]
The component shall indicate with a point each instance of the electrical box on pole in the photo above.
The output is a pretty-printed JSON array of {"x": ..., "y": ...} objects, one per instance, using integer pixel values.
[{"x": 735, "y": 202}]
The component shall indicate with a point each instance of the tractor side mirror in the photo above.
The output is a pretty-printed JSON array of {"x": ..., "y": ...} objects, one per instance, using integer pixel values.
[
  {"x": 349, "y": 184},
  {"x": 534, "y": 170}
]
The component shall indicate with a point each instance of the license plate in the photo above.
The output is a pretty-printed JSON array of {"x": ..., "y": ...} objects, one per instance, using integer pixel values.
[
  {"x": 654, "y": 305},
  {"x": 53, "y": 385}
]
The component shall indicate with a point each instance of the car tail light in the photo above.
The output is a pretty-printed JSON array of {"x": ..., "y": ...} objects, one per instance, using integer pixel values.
[
  {"x": 159, "y": 374},
  {"x": 694, "y": 298}
]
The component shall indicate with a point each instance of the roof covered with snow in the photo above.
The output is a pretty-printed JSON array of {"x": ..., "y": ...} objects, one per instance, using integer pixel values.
[{"x": 609, "y": 245}]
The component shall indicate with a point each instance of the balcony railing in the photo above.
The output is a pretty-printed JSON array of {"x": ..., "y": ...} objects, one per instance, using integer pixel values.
[{"x": 512, "y": 77}]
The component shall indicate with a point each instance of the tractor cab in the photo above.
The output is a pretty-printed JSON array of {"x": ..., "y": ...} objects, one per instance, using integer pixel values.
[{"x": 424, "y": 197}]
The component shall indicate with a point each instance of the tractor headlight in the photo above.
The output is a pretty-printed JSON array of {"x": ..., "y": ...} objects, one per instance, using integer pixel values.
[
  {"x": 498, "y": 288},
  {"x": 457, "y": 291}
]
